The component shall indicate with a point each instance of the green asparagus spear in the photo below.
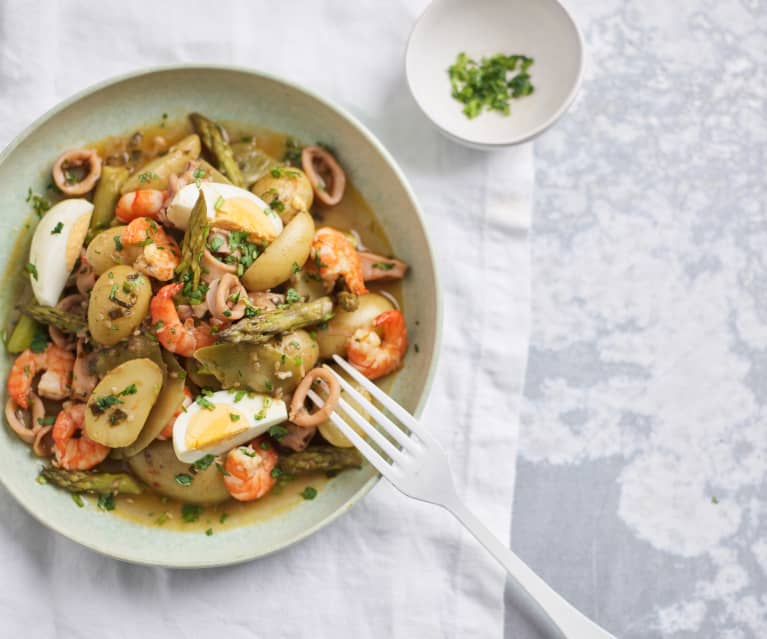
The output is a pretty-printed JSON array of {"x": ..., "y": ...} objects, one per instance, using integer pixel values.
[
  {"x": 320, "y": 459},
  {"x": 106, "y": 196},
  {"x": 63, "y": 320},
  {"x": 76, "y": 481},
  {"x": 23, "y": 334},
  {"x": 215, "y": 144},
  {"x": 193, "y": 246},
  {"x": 261, "y": 328}
]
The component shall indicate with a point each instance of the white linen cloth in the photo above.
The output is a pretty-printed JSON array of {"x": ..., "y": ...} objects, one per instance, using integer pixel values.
[{"x": 392, "y": 567}]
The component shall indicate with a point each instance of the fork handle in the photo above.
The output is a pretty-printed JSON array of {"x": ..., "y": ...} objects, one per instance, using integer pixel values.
[{"x": 570, "y": 621}]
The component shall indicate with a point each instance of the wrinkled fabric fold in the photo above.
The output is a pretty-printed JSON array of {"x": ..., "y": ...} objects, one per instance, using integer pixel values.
[{"x": 391, "y": 567}]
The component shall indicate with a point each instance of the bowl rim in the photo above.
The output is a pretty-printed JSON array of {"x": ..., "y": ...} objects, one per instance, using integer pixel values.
[
  {"x": 513, "y": 141},
  {"x": 285, "y": 543}
]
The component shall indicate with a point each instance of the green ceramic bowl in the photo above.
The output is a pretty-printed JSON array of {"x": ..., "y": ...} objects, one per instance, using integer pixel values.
[{"x": 228, "y": 94}]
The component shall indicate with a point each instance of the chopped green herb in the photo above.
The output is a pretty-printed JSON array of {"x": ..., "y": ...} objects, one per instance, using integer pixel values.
[
  {"x": 223, "y": 518},
  {"x": 204, "y": 402},
  {"x": 147, "y": 176},
  {"x": 38, "y": 202},
  {"x": 309, "y": 493},
  {"x": 292, "y": 296},
  {"x": 234, "y": 417},
  {"x": 46, "y": 421},
  {"x": 106, "y": 502},
  {"x": 490, "y": 84},
  {"x": 184, "y": 479},
  {"x": 216, "y": 242},
  {"x": 246, "y": 138},
  {"x": 247, "y": 451},
  {"x": 278, "y": 432},
  {"x": 58, "y": 228},
  {"x": 190, "y": 512},
  {"x": 78, "y": 500},
  {"x": 204, "y": 462},
  {"x": 161, "y": 519},
  {"x": 39, "y": 341},
  {"x": 295, "y": 267},
  {"x": 292, "y": 154},
  {"x": 714, "y": 500},
  {"x": 209, "y": 532},
  {"x": 383, "y": 266},
  {"x": 239, "y": 395},
  {"x": 218, "y": 203},
  {"x": 32, "y": 270},
  {"x": 222, "y": 470}
]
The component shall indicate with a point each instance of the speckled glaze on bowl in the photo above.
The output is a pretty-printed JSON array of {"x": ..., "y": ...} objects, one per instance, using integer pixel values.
[{"x": 224, "y": 93}]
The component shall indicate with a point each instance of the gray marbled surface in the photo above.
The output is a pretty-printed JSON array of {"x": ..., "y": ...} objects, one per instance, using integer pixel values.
[{"x": 641, "y": 484}]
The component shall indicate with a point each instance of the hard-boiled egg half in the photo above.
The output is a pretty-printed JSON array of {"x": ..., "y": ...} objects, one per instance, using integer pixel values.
[
  {"x": 229, "y": 207},
  {"x": 223, "y": 420},
  {"x": 56, "y": 246}
]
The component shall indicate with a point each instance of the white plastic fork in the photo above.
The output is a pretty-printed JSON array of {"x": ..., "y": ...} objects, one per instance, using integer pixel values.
[{"x": 418, "y": 467}]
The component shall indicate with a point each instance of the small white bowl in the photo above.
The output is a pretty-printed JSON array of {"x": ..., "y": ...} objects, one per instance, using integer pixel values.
[{"x": 540, "y": 29}]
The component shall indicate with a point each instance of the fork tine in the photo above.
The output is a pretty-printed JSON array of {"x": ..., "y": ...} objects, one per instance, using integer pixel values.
[
  {"x": 383, "y": 421},
  {"x": 400, "y": 413},
  {"x": 368, "y": 452},
  {"x": 369, "y": 429}
]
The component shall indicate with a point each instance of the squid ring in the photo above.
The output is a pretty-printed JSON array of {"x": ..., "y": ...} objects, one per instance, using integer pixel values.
[
  {"x": 299, "y": 415},
  {"x": 325, "y": 174},
  {"x": 77, "y": 157}
]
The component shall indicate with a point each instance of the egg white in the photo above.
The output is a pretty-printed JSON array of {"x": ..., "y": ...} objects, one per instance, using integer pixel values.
[
  {"x": 54, "y": 251},
  {"x": 271, "y": 412},
  {"x": 180, "y": 207}
]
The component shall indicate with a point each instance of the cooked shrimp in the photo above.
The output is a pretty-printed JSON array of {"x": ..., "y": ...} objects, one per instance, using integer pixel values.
[
  {"x": 167, "y": 431},
  {"x": 160, "y": 256},
  {"x": 72, "y": 448},
  {"x": 380, "y": 349},
  {"x": 180, "y": 338},
  {"x": 56, "y": 381},
  {"x": 141, "y": 203},
  {"x": 334, "y": 255},
  {"x": 249, "y": 471}
]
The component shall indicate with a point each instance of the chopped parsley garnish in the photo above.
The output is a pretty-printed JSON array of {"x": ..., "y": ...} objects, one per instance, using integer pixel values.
[
  {"x": 490, "y": 84},
  {"x": 278, "y": 432},
  {"x": 147, "y": 176},
  {"x": 281, "y": 171},
  {"x": 239, "y": 395},
  {"x": 383, "y": 266},
  {"x": 209, "y": 532},
  {"x": 218, "y": 203},
  {"x": 234, "y": 417},
  {"x": 102, "y": 403},
  {"x": 215, "y": 243},
  {"x": 106, "y": 502},
  {"x": 39, "y": 341},
  {"x": 78, "y": 500},
  {"x": 295, "y": 267},
  {"x": 190, "y": 512},
  {"x": 184, "y": 479},
  {"x": 203, "y": 401},
  {"x": 222, "y": 470},
  {"x": 58, "y": 228},
  {"x": 31, "y": 269},
  {"x": 39, "y": 203},
  {"x": 203, "y": 463},
  {"x": 714, "y": 500},
  {"x": 118, "y": 243},
  {"x": 309, "y": 493},
  {"x": 46, "y": 421},
  {"x": 247, "y": 451},
  {"x": 292, "y": 296},
  {"x": 246, "y": 138},
  {"x": 292, "y": 154},
  {"x": 223, "y": 518}
]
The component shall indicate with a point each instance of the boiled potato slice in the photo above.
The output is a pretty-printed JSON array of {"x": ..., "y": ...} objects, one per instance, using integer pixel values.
[
  {"x": 119, "y": 302},
  {"x": 119, "y": 405},
  {"x": 264, "y": 368},
  {"x": 275, "y": 265},
  {"x": 157, "y": 466},
  {"x": 168, "y": 402},
  {"x": 103, "y": 253},
  {"x": 289, "y": 192},
  {"x": 329, "y": 430},
  {"x": 334, "y": 338}
]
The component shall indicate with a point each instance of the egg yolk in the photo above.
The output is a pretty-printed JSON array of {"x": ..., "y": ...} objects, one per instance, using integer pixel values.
[
  {"x": 242, "y": 214},
  {"x": 210, "y": 427}
]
